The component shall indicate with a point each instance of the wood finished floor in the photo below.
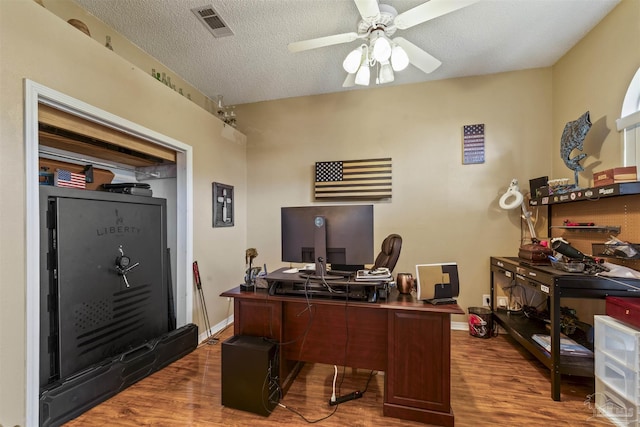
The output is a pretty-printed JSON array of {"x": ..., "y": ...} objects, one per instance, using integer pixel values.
[{"x": 494, "y": 382}]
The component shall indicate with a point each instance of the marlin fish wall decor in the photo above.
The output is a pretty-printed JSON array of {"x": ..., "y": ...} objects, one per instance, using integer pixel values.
[{"x": 573, "y": 138}]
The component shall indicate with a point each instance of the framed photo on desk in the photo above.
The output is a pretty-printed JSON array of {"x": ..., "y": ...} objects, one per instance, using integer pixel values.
[{"x": 222, "y": 205}]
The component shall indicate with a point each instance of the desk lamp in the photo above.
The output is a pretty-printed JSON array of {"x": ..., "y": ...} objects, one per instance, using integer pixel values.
[
  {"x": 534, "y": 252},
  {"x": 514, "y": 198}
]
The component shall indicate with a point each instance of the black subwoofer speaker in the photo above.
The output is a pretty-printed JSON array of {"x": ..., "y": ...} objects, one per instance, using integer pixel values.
[{"x": 250, "y": 374}]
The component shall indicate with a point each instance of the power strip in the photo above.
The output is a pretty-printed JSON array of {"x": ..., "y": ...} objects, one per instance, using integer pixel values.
[{"x": 346, "y": 398}]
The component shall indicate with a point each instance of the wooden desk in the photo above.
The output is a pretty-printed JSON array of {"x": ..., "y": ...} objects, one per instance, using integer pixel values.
[{"x": 408, "y": 339}]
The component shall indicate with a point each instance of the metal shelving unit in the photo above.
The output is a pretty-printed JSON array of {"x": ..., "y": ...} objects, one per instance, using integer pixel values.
[{"x": 553, "y": 285}]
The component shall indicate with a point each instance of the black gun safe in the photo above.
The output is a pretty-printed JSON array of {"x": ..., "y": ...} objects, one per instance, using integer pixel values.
[{"x": 104, "y": 298}]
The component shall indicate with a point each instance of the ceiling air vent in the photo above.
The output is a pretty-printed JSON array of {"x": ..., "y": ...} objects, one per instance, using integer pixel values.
[{"x": 212, "y": 21}]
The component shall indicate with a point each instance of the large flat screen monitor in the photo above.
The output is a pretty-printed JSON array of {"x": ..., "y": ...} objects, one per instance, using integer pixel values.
[{"x": 339, "y": 235}]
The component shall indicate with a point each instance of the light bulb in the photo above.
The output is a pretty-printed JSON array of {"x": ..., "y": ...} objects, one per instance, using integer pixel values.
[
  {"x": 399, "y": 58},
  {"x": 350, "y": 80},
  {"x": 386, "y": 73},
  {"x": 363, "y": 75},
  {"x": 353, "y": 60},
  {"x": 381, "y": 47}
]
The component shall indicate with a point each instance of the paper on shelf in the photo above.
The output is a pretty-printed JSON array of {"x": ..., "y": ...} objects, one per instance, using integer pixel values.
[{"x": 568, "y": 347}]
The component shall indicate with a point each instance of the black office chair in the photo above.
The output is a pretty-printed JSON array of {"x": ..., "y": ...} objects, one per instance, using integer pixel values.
[{"x": 390, "y": 252}]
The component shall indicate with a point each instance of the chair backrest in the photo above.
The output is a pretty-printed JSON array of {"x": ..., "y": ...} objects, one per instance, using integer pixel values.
[{"x": 390, "y": 252}]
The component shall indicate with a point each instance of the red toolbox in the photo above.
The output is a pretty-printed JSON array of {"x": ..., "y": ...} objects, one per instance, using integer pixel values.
[{"x": 626, "y": 310}]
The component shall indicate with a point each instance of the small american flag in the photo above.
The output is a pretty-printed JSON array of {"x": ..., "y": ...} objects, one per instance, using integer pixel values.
[
  {"x": 473, "y": 144},
  {"x": 64, "y": 178},
  {"x": 363, "y": 179}
]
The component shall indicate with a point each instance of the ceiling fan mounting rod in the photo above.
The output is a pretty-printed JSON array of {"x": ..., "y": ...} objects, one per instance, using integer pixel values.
[
  {"x": 388, "y": 30},
  {"x": 383, "y": 20}
]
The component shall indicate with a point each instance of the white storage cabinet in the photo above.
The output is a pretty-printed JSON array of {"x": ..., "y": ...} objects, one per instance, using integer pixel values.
[{"x": 617, "y": 371}]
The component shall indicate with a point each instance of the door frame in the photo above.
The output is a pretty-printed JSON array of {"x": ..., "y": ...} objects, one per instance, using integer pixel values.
[{"x": 35, "y": 94}]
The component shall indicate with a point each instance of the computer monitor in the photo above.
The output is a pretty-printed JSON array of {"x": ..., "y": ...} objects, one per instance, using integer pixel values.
[
  {"x": 437, "y": 283},
  {"x": 340, "y": 235}
]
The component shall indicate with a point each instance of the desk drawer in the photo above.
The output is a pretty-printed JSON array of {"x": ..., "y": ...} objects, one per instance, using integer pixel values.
[
  {"x": 536, "y": 277},
  {"x": 503, "y": 268},
  {"x": 504, "y": 263}
]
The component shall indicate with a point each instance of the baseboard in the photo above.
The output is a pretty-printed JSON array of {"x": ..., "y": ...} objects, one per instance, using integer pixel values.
[
  {"x": 459, "y": 326},
  {"x": 215, "y": 329}
]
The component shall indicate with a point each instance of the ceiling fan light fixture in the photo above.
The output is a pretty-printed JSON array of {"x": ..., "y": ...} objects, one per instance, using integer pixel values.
[
  {"x": 399, "y": 58},
  {"x": 386, "y": 73},
  {"x": 353, "y": 60},
  {"x": 381, "y": 46},
  {"x": 350, "y": 80},
  {"x": 363, "y": 75},
  {"x": 378, "y": 23}
]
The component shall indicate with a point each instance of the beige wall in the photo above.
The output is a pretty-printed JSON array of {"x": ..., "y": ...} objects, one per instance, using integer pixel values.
[
  {"x": 444, "y": 210},
  {"x": 36, "y": 44},
  {"x": 594, "y": 76}
]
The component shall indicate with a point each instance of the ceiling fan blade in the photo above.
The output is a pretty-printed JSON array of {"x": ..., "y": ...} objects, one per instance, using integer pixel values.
[
  {"x": 368, "y": 8},
  {"x": 429, "y": 10},
  {"x": 418, "y": 57},
  {"x": 322, "y": 42},
  {"x": 350, "y": 81}
]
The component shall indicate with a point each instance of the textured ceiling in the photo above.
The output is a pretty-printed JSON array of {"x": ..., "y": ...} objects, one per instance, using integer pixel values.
[{"x": 254, "y": 64}]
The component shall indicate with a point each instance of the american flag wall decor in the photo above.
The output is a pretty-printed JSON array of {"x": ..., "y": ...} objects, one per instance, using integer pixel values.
[
  {"x": 354, "y": 179},
  {"x": 64, "y": 178},
  {"x": 473, "y": 144}
]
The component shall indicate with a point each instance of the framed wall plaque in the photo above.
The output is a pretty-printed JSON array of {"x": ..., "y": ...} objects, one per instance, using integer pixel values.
[
  {"x": 222, "y": 205},
  {"x": 473, "y": 144}
]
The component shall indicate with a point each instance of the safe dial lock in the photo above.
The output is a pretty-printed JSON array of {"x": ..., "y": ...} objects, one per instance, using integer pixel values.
[
  {"x": 123, "y": 261},
  {"x": 124, "y": 266}
]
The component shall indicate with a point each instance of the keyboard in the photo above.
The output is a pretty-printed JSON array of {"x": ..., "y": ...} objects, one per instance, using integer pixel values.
[
  {"x": 343, "y": 273},
  {"x": 380, "y": 274},
  {"x": 329, "y": 274}
]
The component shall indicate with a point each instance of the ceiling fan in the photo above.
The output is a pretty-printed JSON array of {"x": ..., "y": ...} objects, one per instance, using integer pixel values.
[{"x": 377, "y": 24}]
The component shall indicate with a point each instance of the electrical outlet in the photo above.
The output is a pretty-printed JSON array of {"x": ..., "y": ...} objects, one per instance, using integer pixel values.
[
  {"x": 502, "y": 302},
  {"x": 485, "y": 300}
]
